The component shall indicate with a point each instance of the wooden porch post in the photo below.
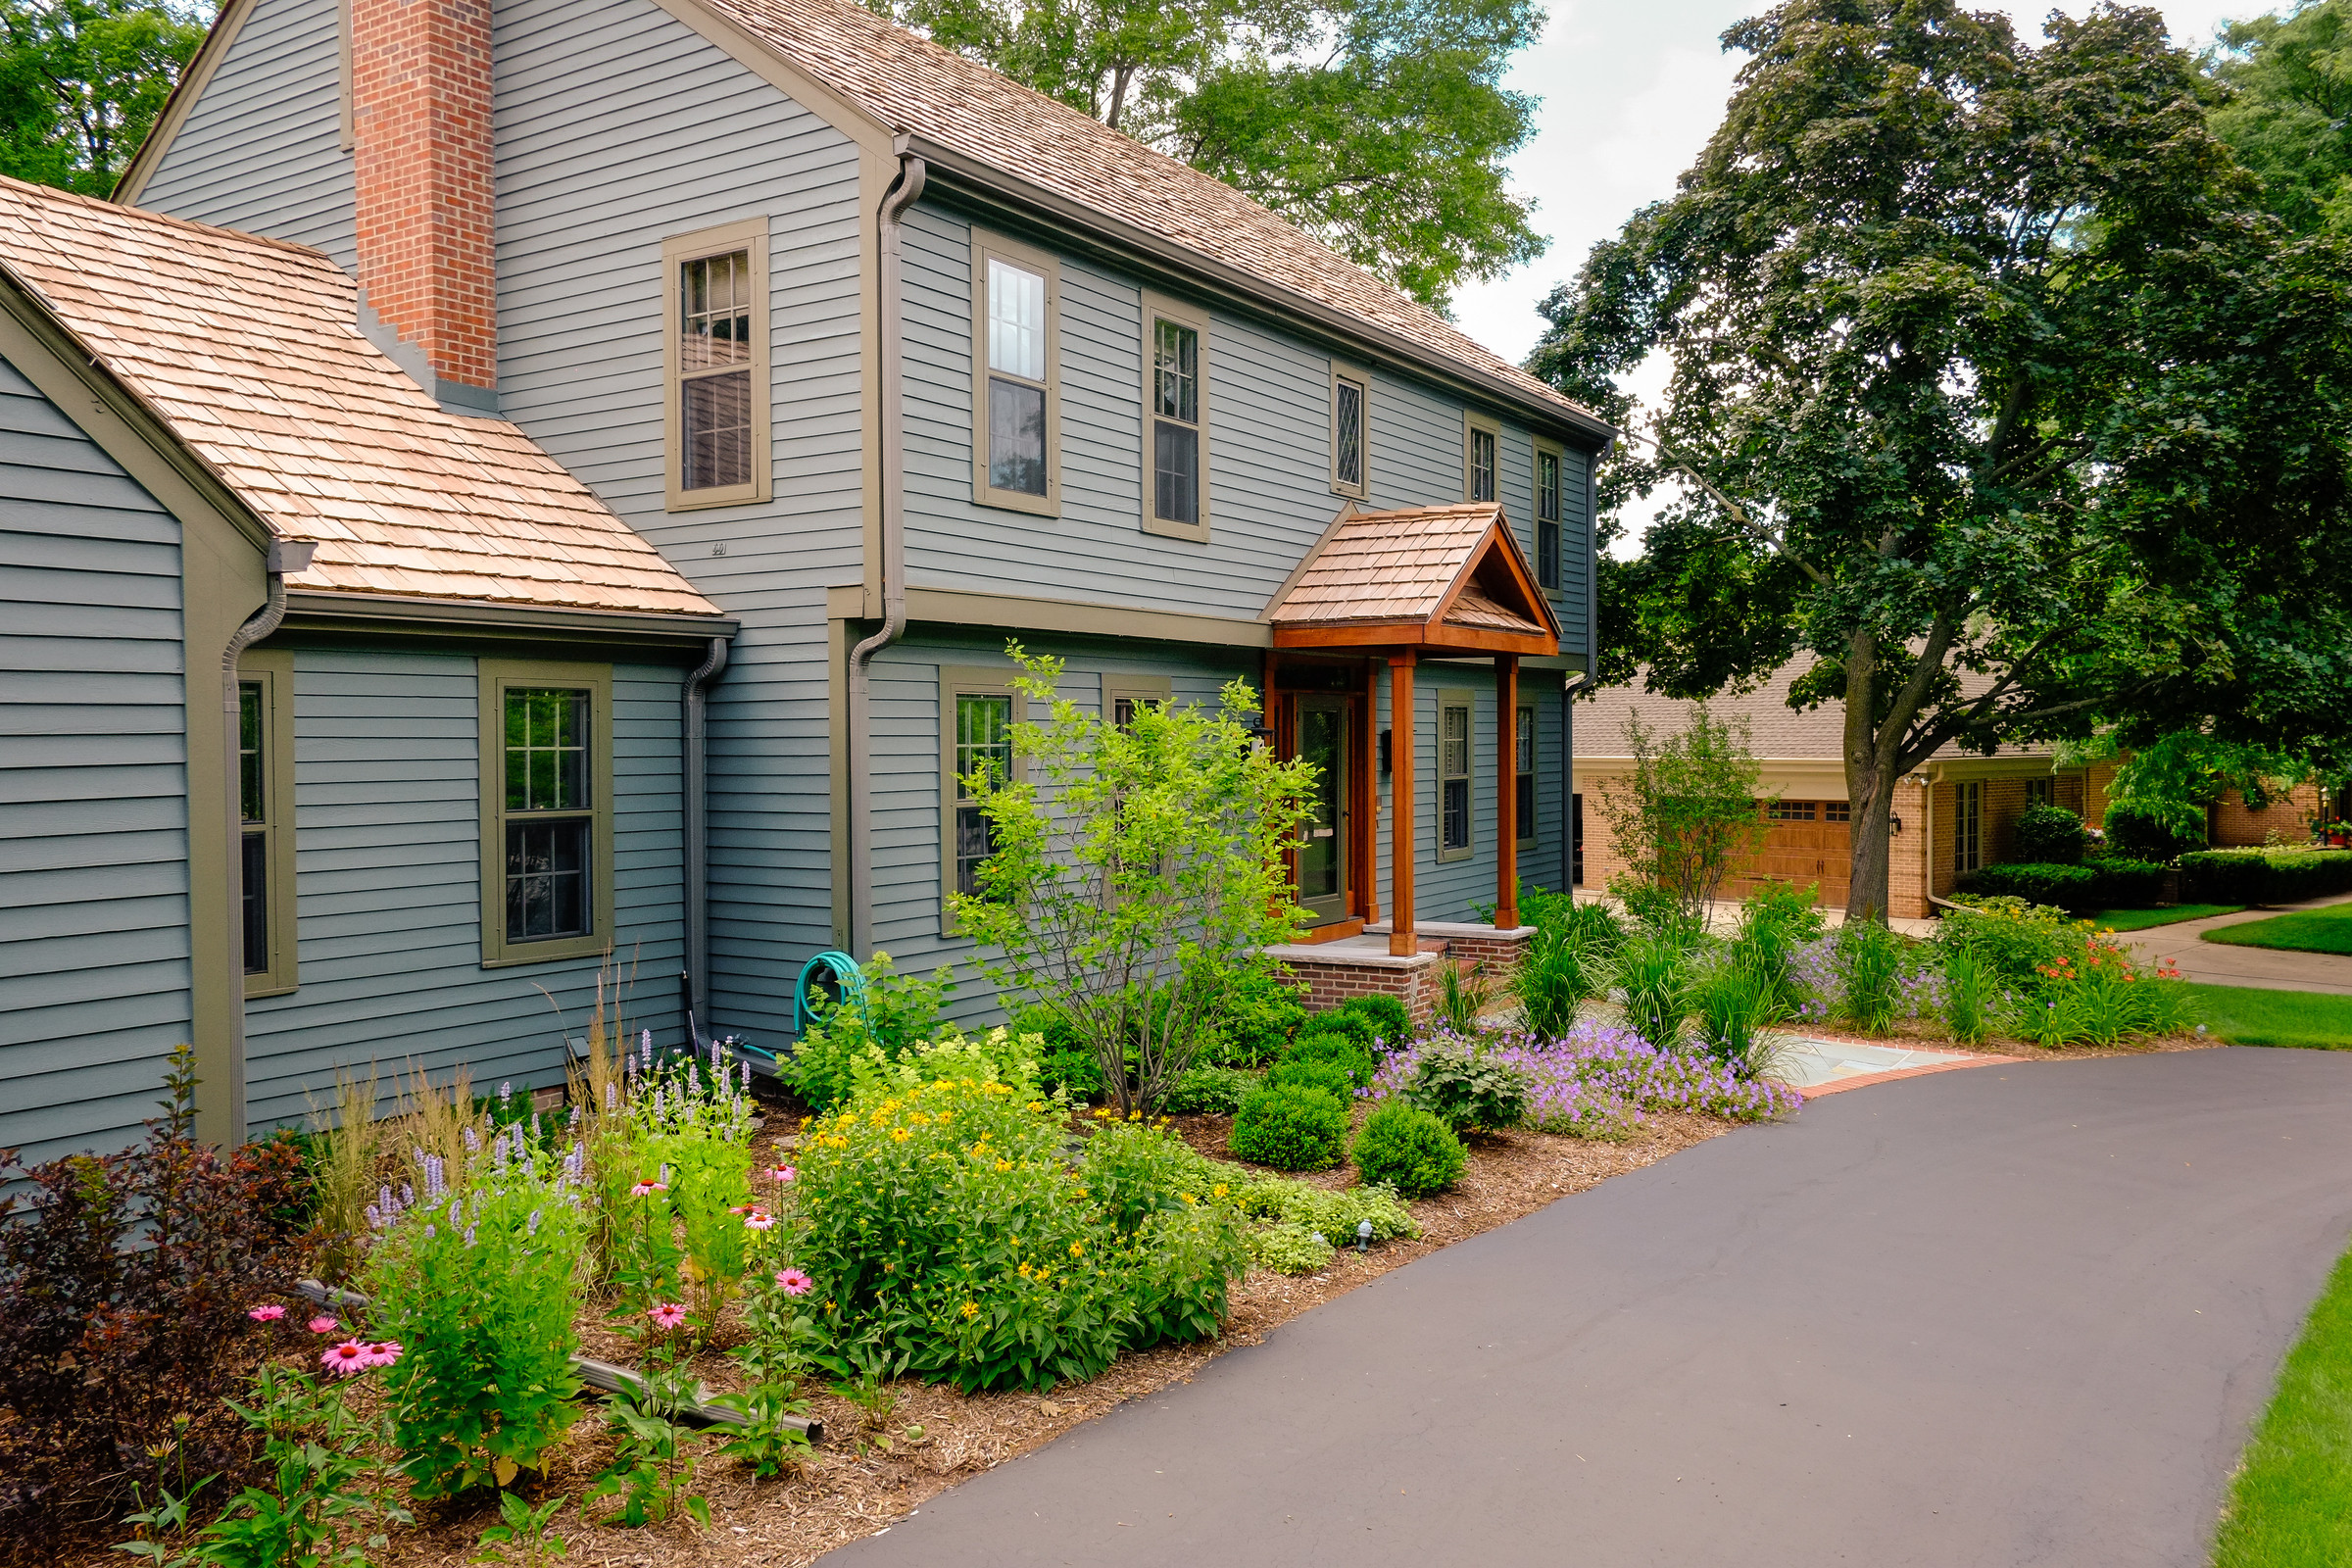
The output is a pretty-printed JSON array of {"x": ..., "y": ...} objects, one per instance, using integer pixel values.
[
  {"x": 1367, "y": 836},
  {"x": 1401, "y": 941},
  {"x": 1506, "y": 794}
]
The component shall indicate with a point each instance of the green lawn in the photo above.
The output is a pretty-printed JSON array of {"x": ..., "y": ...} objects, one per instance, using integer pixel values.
[
  {"x": 2169, "y": 914},
  {"x": 2290, "y": 1503},
  {"x": 2327, "y": 930},
  {"x": 2246, "y": 1016}
]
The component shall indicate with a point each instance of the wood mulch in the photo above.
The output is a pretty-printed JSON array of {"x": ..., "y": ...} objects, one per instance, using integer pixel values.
[{"x": 851, "y": 1488}]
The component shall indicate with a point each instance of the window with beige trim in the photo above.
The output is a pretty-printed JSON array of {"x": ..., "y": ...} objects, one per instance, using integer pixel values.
[
  {"x": 1482, "y": 444},
  {"x": 266, "y": 820},
  {"x": 1350, "y": 431},
  {"x": 1455, "y": 818},
  {"x": 1124, "y": 695},
  {"x": 1550, "y": 467},
  {"x": 1016, "y": 375},
  {"x": 977, "y": 710},
  {"x": 547, "y": 811},
  {"x": 1524, "y": 783},
  {"x": 1175, "y": 351},
  {"x": 715, "y": 365}
]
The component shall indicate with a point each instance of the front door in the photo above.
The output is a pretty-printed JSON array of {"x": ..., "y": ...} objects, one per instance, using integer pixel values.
[{"x": 1323, "y": 870}]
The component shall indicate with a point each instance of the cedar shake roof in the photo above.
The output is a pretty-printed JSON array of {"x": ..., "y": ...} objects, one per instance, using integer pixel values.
[
  {"x": 249, "y": 349},
  {"x": 1776, "y": 732},
  {"x": 913, "y": 85},
  {"x": 1408, "y": 577}
]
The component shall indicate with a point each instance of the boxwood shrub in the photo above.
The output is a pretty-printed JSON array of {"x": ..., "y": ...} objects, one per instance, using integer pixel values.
[
  {"x": 1410, "y": 1150},
  {"x": 1390, "y": 1021},
  {"x": 2102, "y": 884},
  {"x": 1329, "y": 1077},
  {"x": 2263, "y": 876},
  {"x": 1348, "y": 1055},
  {"x": 2050, "y": 835},
  {"x": 1291, "y": 1127}
]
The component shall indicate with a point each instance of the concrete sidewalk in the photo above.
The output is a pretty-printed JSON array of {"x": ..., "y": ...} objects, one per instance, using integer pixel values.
[{"x": 2215, "y": 964}]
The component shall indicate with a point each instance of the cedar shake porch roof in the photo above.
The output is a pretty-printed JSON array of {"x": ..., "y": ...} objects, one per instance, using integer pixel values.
[
  {"x": 1447, "y": 578},
  {"x": 249, "y": 351}
]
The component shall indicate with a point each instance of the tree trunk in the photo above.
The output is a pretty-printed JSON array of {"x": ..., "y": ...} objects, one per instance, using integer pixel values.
[{"x": 1868, "y": 785}]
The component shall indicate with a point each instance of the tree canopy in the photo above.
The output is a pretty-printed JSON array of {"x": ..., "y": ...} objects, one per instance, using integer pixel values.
[
  {"x": 2287, "y": 108},
  {"x": 1381, "y": 126},
  {"x": 1995, "y": 389},
  {"x": 83, "y": 80}
]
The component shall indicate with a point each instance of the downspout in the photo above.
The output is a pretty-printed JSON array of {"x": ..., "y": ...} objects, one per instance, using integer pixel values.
[
  {"x": 285, "y": 556},
  {"x": 698, "y": 842},
  {"x": 892, "y": 468}
]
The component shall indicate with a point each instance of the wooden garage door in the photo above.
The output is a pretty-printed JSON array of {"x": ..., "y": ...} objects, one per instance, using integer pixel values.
[{"x": 1805, "y": 842}]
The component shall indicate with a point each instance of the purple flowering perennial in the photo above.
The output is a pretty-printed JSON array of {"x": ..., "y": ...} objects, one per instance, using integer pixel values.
[{"x": 1598, "y": 1079}]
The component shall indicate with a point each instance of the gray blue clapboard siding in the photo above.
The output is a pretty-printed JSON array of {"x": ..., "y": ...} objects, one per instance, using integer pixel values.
[
  {"x": 1269, "y": 414},
  {"x": 94, "y": 970},
  {"x": 618, "y": 128},
  {"x": 262, "y": 149},
  {"x": 388, "y": 886}
]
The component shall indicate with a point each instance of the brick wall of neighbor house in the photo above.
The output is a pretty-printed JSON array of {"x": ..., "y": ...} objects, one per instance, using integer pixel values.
[
  {"x": 420, "y": 95},
  {"x": 2231, "y": 822}
]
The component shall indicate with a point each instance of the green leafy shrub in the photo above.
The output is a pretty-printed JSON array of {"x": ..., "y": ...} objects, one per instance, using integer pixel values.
[
  {"x": 1337, "y": 1214},
  {"x": 2128, "y": 884},
  {"x": 1064, "y": 1061},
  {"x": 1290, "y": 1128},
  {"x": 1409, "y": 1149},
  {"x": 2052, "y": 835},
  {"x": 1289, "y": 1249},
  {"x": 899, "y": 1012},
  {"x": 1467, "y": 1088},
  {"x": 1323, "y": 1077},
  {"x": 2153, "y": 832},
  {"x": 2010, "y": 937},
  {"x": 1390, "y": 1020},
  {"x": 1261, "y": 1011},
  {"x": 1348, "y": 1023},
  {"x": 1347, "y": 1054},
  {"x": 481, "y": 1280},
  {"x": 2066, "y": 887},
  {"x": 2263, "y": 876},
  {"x": 949, "y": 1239},
  {"x": 1210, "y": 1091},
  {"x": 1651, "y": 972}
]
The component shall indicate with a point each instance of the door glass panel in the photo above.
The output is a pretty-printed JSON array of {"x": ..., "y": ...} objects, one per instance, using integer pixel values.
[{"x": 1322, "y": 737}]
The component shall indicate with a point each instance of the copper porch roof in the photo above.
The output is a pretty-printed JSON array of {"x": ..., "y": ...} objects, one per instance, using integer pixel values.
[
  {"x": 1406, "y": 567},
  {"x": 911, "y": 84},
  {"x": 250, "y": 352}
]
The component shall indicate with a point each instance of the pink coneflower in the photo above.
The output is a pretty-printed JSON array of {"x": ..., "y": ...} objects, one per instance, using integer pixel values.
[
  {"x": 384, "y": 1354},
  {"x": 348, "y": 1358},
  {"x": 323, "y": 1325},
  {"x": 737, "y": 1209},
  {"x": 266, "y": 1312},
  {"x": 794, "y": 1283},
  {"x": 669, "y": 1316},
  {"x": 781, "y": 1173},
  {"x": 647, "y": 1187},
  {"x": 755, "y": 1220}
]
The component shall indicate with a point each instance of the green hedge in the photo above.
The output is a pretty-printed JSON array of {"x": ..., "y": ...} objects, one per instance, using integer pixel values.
[
  {"x": 2263, "y": 876},
  {"x": 2103, "y": 884}
]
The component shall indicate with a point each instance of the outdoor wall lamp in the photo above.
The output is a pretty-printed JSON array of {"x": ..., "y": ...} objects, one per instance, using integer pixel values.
[{"x": 1894, "y": 825}]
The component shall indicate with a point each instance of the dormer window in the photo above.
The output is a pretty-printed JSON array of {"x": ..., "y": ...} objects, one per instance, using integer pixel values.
[{"x": 716, "y": 357}]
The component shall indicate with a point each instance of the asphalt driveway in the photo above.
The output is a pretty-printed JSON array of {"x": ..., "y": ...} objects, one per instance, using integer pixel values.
[{"x": 2018, "y": 1315}]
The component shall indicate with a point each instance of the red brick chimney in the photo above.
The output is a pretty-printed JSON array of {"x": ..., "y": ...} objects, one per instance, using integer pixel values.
[{"x": 421, "y": 132}]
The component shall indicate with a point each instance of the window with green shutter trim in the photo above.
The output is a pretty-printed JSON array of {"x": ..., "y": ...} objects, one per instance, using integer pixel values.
[{"x": 547, "y": 818}]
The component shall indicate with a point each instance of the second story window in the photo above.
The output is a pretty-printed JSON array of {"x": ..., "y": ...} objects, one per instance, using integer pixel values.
[
  {"x": 1016, "y": 380},
  {"x": 1175, "y": 419},
  {"x": 1351, "y": 409},
  {"x": 1480, "y": 439},
  {"x": 1547, "y": 518},
  {"x": 715, "y": 349}
]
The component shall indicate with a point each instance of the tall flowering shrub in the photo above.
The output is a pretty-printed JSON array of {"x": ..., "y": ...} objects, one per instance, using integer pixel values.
[{"x": 479, "y": 1274}]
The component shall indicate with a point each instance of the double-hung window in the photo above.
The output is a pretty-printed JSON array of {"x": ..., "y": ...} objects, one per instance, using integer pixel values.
[
  {"x": 1016, "y": 379},
  {"x": 1453, "y": 775},
  {"x": 547, "y": 811},
  {"x": 1523, "y": 784},
  {"x": 1968, "y": 827},
  {"x": 2041, "y": 792},
  {"x": 977, "y": 710},
  {"x": 715, "y": 352},
  {"x": 1547, "y": 518},
  {"x": 1175, "y": 353},
  {"x": 1350, "y": 431},
  {"x": 266, "y": 820},
  {"x": 1482, "y": 438}
]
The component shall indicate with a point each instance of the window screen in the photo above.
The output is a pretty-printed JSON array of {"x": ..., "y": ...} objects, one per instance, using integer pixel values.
[{"x": 715, "y": 356}]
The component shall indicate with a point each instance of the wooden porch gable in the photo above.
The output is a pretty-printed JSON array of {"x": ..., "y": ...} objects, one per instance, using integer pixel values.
[{"x": 1432, "y": 579}]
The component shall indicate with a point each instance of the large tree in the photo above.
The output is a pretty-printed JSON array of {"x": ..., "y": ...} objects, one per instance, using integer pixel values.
[
  {"x": 2287, "y": 108},
  {"x": 1992, "y": 386},
  {"x": 1379, "y": 125},
  {"x": 83, "y": 80}
]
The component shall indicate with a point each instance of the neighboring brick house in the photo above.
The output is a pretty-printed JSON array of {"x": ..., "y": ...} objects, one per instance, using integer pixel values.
[{"x": 1956, "y": 812}]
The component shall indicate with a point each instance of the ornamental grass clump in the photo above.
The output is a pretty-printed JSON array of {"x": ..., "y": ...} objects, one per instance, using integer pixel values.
[
  {"x": 947, "y": 1237},
  {"x": 1409, "y": 1149},
  {"x": 1291, "y": 1127},
  {"x": 1651, "y": 974},
  {"x": 481, "y": 1274}
]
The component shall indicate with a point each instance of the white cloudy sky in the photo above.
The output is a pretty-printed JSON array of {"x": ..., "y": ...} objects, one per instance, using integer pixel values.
[{"x": 1631, "y": 91}]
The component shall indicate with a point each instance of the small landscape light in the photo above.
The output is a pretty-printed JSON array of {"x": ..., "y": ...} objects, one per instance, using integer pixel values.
[{"x": 1363, "y": 1234}]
